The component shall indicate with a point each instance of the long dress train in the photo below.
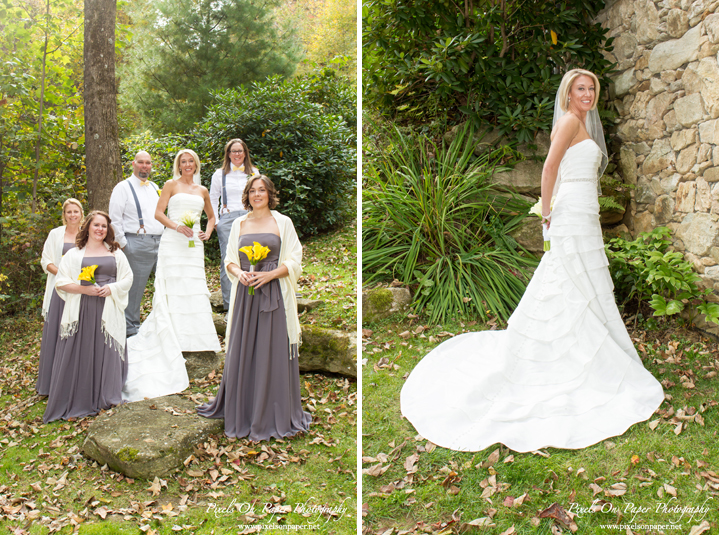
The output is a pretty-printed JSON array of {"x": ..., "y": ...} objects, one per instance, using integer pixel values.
[
  {"x": 88, "y": 371},
  {"x": 259, "y": 396},
  {"x": 181, "y": 317},
  {"x": 564, "y": 373}
]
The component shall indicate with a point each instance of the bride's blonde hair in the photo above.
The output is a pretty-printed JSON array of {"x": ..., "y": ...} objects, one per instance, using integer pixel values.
[
  {"x": 566, "y": 86},
  {"x": 177, "y": 172}
]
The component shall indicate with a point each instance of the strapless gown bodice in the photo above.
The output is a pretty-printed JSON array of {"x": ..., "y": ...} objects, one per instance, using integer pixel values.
[
  {"x": 184, "y": 202},
  {"x": 581, "y": 162},
  {"x": 565, "y": 372}
]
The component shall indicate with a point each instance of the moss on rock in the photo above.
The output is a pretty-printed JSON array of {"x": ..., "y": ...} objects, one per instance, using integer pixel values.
[
  {"x": 383, "y": 302},
  {"x": 128, "y": 455}
]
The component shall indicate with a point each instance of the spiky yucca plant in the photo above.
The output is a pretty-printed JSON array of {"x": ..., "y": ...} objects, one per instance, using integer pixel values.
[{"x": 432, "y": 219}]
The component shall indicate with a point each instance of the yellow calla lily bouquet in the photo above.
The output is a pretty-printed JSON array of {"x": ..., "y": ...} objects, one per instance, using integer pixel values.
[
  {"x": 88, "y": 274},
  {"x": 255, "y": 253}
]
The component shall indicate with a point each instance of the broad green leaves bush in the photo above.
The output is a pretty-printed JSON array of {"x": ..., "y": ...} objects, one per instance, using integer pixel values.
[
  {"x": 646, "y": 271},
  {"x": 431, "y": 219},
  {"x": 300, "y": 132},
  {"x": 299, "y": 135},
  {"x": 491, "y": 62}
]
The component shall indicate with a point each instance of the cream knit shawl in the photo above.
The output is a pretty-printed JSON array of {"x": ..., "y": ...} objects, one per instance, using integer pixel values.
[
  {"x": 51, "y": 254},
  {"x": 290, "y": 256},
  {"x": 113, "y": 313}
]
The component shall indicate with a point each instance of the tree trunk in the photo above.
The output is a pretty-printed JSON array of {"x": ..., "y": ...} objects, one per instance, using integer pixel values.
[{"x": 102, "y": 148}]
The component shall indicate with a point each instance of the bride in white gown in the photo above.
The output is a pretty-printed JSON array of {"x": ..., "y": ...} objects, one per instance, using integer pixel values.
[
  {"x": 181, "y": 317},
  {"x": 565, "y": 373}
]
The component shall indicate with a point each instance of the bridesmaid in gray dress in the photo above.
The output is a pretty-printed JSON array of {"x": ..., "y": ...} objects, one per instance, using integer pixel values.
[
  {"x": 90, "y": 362},
  {"x": 259, "y": 396},
  {"x": 59, "y": 241}
]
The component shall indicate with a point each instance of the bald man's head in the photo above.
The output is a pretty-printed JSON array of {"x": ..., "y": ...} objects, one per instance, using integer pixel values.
[{"x": 142, "y": 165}]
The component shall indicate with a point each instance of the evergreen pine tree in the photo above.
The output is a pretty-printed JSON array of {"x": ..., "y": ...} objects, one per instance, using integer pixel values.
[{"x": 185, "y": 49}]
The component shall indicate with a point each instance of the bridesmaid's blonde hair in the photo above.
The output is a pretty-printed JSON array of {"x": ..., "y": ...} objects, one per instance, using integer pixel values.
[
  {"x": 566, "y": 86},
  {"x": 71, "y": 200}
]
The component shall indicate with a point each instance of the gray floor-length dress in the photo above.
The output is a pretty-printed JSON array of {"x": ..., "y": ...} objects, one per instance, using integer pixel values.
[
  {"x": 50, "y": 337},
  {"x": 88, "y": 373},
  {"x": 259, "y": 396}
]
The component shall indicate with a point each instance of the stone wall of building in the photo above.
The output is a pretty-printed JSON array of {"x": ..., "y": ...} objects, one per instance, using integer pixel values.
[{"x": 667, "y": 95}]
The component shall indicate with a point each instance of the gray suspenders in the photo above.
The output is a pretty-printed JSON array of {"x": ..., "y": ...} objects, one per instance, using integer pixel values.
[
  {"x": 224, "y": 209},
  {"x": 224, "y": 194},
  {"x": 139, "y": 210}
]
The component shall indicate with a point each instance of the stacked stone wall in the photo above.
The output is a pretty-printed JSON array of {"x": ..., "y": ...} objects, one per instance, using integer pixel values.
[{"x": 666, "y": 93}]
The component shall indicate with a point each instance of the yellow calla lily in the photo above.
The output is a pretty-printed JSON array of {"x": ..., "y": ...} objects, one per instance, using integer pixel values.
[
  {"x": 88, "y": 274},
  {"x": 247, "y": 249},
  {"x": 255, "y": 253}
]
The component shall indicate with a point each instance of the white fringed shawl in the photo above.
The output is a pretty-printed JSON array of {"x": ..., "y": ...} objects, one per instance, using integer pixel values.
[
  {"x": 113, "y": 313},
  {"x": 290, "y": 256},
  {"x": 51, "y": 254}
]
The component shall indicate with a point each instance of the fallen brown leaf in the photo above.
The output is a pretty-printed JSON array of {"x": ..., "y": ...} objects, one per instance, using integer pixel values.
[
  {"x": 701, "y": 528},
  {"x": 409, "y": 463}
]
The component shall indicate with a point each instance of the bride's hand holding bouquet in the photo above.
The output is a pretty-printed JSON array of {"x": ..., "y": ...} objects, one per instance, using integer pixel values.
[{"x": 537, "y": 210}]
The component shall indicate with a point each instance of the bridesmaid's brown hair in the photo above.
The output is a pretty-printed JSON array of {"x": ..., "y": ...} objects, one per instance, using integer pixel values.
[
  {"x": 84, "y": 233},
  {"x": 272, "y": 198}
]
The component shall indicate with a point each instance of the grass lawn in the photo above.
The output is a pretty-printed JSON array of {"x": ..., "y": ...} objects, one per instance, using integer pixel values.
[
  {"x": 228, "y": 485},
  {"x": 639, "y": 479}
]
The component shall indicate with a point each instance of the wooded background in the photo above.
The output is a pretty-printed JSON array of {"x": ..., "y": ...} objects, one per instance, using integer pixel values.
[{"x": 81, "y": 84}]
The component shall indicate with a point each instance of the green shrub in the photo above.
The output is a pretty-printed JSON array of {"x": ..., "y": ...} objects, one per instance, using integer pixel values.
[
  {"x": 23, "y": 237},
  {"x": 308, "y": 151},
  {"x": 644, "y": 271},
  {"x": 301, "y": 133},
  {"x": 431, "y": 218},
  {"x": 494, "y": 63}
]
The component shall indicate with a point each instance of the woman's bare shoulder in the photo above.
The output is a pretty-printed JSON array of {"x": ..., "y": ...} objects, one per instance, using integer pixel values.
[{"x": 567, "y": 126}]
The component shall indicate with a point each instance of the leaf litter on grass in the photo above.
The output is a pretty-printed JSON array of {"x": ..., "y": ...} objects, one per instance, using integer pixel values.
[
  {"x": 45, "y": 481},
  {"x": 647, "y": 464},
  {"x": 213, "y": 470}
]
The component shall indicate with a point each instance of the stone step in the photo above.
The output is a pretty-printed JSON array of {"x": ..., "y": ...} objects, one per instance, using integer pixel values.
[
  {"x": 381, "y": 303},
  {"x": 148, "y": 438},
  {"x": 200, "y": 363}
]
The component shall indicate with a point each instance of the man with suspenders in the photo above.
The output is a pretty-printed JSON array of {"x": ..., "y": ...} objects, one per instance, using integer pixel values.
[{"x": 132, "y": 211}]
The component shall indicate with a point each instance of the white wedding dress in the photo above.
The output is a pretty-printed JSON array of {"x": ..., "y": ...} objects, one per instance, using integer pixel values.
[
  {"x": 181, "y": 317},
  {"x": 565, "y": 373}
]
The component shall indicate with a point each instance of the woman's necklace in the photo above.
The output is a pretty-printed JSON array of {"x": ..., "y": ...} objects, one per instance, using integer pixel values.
[{"x": 258, "y": 216}]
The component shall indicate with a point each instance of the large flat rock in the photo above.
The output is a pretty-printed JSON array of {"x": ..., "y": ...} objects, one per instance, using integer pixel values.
[
  {"x": 216, "y": 301},
  {"x": 526, "y": 177},
  {"x": 308, "y": 304},
  {"x": 144, "y": 442},
  {"x": 328, "y": 350},
  {"x": 200, "y": 363}
]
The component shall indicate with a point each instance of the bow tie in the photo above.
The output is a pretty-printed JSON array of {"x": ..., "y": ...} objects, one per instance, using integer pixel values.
[
  {"x": 145, "y": 183},
  {"x": 240, "y": 168}
]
